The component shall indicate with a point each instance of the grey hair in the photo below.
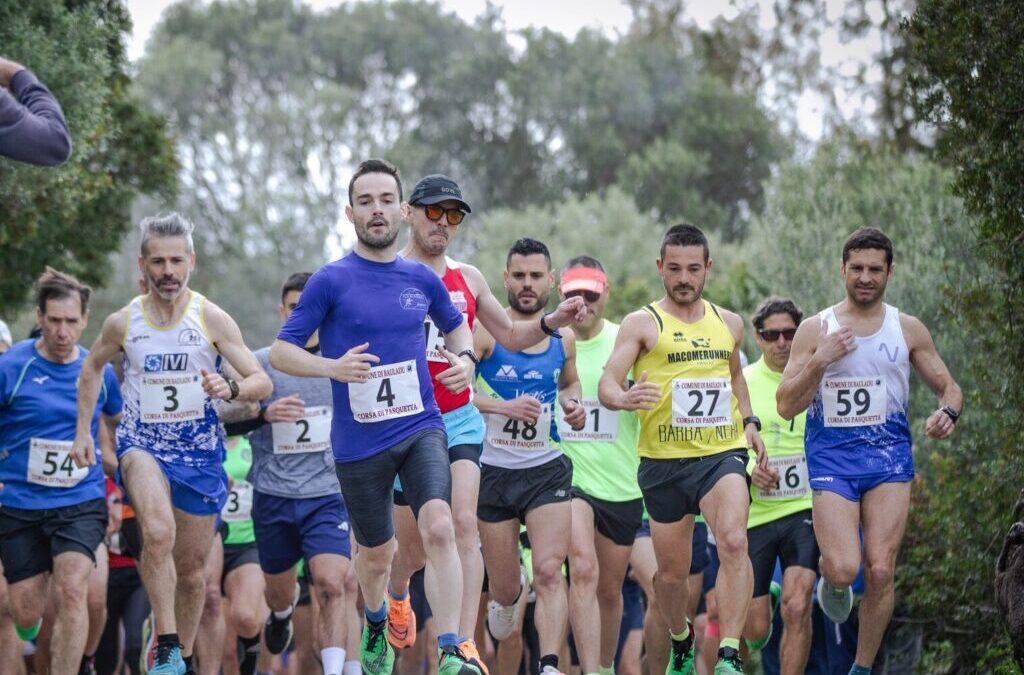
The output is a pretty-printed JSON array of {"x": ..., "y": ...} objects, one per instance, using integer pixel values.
[{"x": 166, "y": 225}]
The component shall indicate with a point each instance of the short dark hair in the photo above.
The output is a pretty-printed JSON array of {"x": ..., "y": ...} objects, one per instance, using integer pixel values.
[
  {"x": 583, "y": 261},
  {"x": 295, "y": 282},
  {"x": 527, "y": 246},
  {"x": 54, "y": 285},
  {"x": 375, "y": 166},
  {"x": 773, "y": 306},
  {"x": 685, "y": 234},
  {"x": 868, "y": 238}
]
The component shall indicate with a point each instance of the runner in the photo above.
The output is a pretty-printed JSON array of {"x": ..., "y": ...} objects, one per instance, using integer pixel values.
[
  {"x": 524, "y": 475},
  {"x": 170, "y": 441},
  {"x": 607, "y": 508},
  {"x": 695, "y": 428},
  {"x": 369, "y": 308},
  {"x": 53, "y": 515},
  {"x": 435, "y": 210},
  {"x": 850, "y": 369},
  {"x": 780, "y": 527},
  {"x": 296, "y": 502}
]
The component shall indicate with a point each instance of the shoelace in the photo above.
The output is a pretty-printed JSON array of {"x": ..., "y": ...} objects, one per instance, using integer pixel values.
[
  {"x": 679, "y": 652},
  {"x": 163, "y": 653},
  {"x": 375, "y": 635}
]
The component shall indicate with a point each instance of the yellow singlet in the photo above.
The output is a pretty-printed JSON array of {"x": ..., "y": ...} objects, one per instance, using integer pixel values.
[{"x": 698, "y": 414}]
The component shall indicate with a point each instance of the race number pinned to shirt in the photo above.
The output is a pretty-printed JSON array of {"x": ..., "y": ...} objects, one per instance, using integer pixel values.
[
  {"x": 793, "y": 477},
  {"x": 392, "y": 391},
  {"x": 312, "y": 433},
  {"x": 701, "y": 403},
  {"x": 853, "y": 401},
  {"x": 172, "y": 398},
  {"x": 505, "y": 432},
  {"x": 435, "y": 339},
  {"x": 239, "y": 505},
  {"x": 50, "y": 464},
  {"x": 601, "y": 425}
]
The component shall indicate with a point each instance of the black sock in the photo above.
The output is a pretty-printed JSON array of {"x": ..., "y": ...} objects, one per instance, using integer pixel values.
[
  {"x": 248, "y": 654},
  {"x": 188, "y": 663},
  {"x": 549, "y": 660},
  {"x": 168, "y": 639}
]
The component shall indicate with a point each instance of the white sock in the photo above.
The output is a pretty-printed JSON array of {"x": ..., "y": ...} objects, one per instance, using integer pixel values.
[
  {"x": 333, "y": 659},
  {"x": 283, "y": 614},
  {"x": 352, "y": 668}
]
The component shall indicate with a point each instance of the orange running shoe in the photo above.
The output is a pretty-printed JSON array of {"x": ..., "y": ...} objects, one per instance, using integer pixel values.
[
  {"x": 472, "y": 655},
  {"x": 401, "y": 622}
]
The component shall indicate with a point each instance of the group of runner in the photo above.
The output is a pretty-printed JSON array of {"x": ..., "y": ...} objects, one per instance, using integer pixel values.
[{"x": 402, "y": 405}]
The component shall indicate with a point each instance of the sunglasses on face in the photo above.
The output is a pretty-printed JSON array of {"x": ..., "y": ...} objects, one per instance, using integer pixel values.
[
  {"x": 589, "y": 296},
  {"x": 773, "y": 335},
  {"x": 434, "y": 212}
]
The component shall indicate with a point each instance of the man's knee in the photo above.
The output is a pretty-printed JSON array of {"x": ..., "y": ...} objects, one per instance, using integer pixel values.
[
  {"x": 840, "y": 572},
  {"x": 330, "y": 588},
  {"x": 547, "y": 573},
  {"x": 158, "y": 537},
  {"x": 879, "y": 574},
  {"x": 466, "y": 533},
  {"x": 796, "y": 608},
  {"x": 584, "y": 570},
  {"x": 247, "y": 618},
  {"x": 732, "y": 545},
  {"x": 608, "y": 593},
  {"x": 438, "y": 532}
]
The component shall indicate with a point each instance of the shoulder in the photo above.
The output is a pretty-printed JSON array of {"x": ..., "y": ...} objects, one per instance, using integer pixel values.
[
  {"x": 733, "y": 320},
  {"x": 474, "y": 278},
  {"x": 115, "y": 326},
  {"x": 17, "y": 355},
  {"x": 640, "y": 323},
  {"x": 914, "y": 330}
]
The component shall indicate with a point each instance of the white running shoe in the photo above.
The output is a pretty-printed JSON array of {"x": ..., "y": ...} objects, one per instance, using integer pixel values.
[
  {"x": 837, "y": 603},
  {"x": 501, "y": 620}
]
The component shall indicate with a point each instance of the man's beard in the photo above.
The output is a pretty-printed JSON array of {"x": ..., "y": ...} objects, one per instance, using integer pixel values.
[
  {"x": 376, "y": 242},
  {"x": 154, "y": 286},
  {"x": 540, "y": 302}
]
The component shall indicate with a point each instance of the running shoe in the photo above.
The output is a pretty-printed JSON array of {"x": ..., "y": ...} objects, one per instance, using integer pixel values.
[
  {"x": 451, "y": 661},
  {"x": 472, "y": 654},
  {"x": 729, "y": 661},
  {"x": 87, "y": 667},
  {"x": 277, "y": 633},
  {"x": 30, "y": 633},
  {"x": 680, "y": 657},
  {"x": 551, "y": 670},
  {"x": 401, "y": 622},
  {"x": 774, "y": 598},
  {"x": 837, "y": 603},
  {"x": 168, "y": 661},
  {"x": 502, "y": 620},
  {"x": 376, "y": 654}
]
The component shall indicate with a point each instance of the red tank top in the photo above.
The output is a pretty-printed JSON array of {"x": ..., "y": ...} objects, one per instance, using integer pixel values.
[
  {"x": 463, "y": 298},
  {"x": 116, "y": 558}
]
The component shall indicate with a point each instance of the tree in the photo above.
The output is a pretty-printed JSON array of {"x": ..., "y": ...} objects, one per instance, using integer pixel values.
[{"x": 72, "y": 217}]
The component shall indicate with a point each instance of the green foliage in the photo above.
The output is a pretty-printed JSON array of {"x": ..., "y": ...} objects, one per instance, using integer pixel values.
[{"x": 73, "y": 216}]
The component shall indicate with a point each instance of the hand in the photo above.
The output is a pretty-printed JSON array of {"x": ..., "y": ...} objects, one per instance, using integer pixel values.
[
  {"x": 765, "y": 479},
  {"x": 754, "y": 442},
  {"x": 285, "y": 409},
  {"x": 525, "y": 408},
  {"x": 83, "y": 451},
  {"x": 113, "y": 516},
  {"x": 834, "y": 346},
  {"x": 568, "y": 311},
  {"x": 215, "y": 385},
  {"x": 938, "y": 425},
  {"x": 575, "y": 414},
  {"x": 457, "y": 378},
  {"x": 7, "y": 72},
  {"x": 643, "y": 395},
  {"x": 354, "y": 366}
]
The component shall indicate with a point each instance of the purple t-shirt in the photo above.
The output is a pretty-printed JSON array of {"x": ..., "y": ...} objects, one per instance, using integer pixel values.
[
  {"x": 355, "y": 300},
  {"x": 32, "y": 125}
]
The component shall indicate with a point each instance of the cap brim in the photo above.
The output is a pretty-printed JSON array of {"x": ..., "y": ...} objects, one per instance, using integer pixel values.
[
  {"x": 437, "y": 199},
  {"x": 593, "y": 285}
]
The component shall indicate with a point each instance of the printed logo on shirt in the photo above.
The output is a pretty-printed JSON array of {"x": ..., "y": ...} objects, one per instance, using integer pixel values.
[
  {"x": 533, "y": 375},
  {"x": 40, "y": 380},
  {"x": 678, "y": 336},
  {"x": 189, "y": 337},
  {"x": 506, "y": 372},
  {"x": 413, "y": 298},
  {"x": 701, "y": 343},
  {"x": 156, "y": 363},
  {"x": 135, "y": 338}
]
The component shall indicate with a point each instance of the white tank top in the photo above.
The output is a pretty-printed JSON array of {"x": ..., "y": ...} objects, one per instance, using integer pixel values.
[{"x": 166, "y": 411}]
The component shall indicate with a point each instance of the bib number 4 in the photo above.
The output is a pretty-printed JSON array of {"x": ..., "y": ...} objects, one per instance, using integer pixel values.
[{"x": 392, "y": 391}]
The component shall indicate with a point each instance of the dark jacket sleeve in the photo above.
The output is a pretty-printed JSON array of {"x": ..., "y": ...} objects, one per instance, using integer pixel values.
[{"x": 32, "y": 125}]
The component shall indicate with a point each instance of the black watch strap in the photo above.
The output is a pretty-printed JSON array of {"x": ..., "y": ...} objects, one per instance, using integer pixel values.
[
  {"x": 548, "y": 330},
  {"x": 233, "y": 386},
  {"x": 950, "y": 413},
  {"x": 472, "y": 356},
  {"x": 753, "y": 419}
]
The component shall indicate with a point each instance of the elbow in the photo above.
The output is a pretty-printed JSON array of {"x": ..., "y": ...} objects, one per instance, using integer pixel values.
[
  {"x": 275, "y": 355},
  {"x": 264, "y": 387},
  {"x": 604, "y": 398},
  {"x": 60, "y": 150}
]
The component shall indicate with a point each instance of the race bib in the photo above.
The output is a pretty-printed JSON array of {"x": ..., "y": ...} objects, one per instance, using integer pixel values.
[
  {"x": 701, "y": 403},
  {"x": 172, "y": 398},
  {"x": 435, "y": 339},
  {"x": 50, "y": 464},
  {"x": 239, "y": 505},
  {"x": 793, "y": 479},
  {"x": 601, "y": 425},
  {"x": 853, "y": 402},
  {"x": 507, "y": 433},
  {"x": 392, "y": 391},
  {"x": 312, "y": 433}
]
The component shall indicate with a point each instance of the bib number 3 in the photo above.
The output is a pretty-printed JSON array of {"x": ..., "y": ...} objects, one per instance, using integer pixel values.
[
  {"x": 701, "y": 403},
  {"x": 392, "y": 391},
  {"x": 172, "y": 398}
]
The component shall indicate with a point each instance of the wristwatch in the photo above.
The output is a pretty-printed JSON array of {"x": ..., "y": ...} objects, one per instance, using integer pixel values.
[
  {"x": 753, "y": 419},
  {"x": 472, "y": 356},
  {"x": 233, "y": 386},
  {"x": 950, "y": 413},
  {"x": 548, "y": 330}
]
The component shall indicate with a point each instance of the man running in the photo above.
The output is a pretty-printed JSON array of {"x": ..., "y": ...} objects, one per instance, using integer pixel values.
[
  {"x": 695, "y": 428},
  {"x": 850, "y": 369},
  {"x": 369, "y": 308},
  {"x": 607, "y": 508},
  {"x": 53, "y": 514},
  {"x": 434, "y": 212},
  {"x": 170, "y": 443},
  {"x": 780, "y": 527},
  {"x": 525, "y": 478},
  {"x": 297, "y": 508}
]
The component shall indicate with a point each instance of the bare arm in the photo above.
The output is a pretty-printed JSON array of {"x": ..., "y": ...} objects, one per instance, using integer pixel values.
[
  {"x": 740, "y": 391},
  {"x": 463, "y": 370},
  {"x": 522, "y": 408},
  {"x": 254, "y": 383},
  {"x": 569, "y": 388},
  {"x": 932, "y": 369},
  {"x": 237, "y": 410},
  {"x": 636, "y": 334},
  {"x": 105, "y": 348}
]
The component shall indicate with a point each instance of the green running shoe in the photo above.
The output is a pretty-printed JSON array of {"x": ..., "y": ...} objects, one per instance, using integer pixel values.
[
  {"x": 451, "y": 661},
  {"x": 376, "y": 655},
  {"x": 774, "y": 599},
  {"x": 680, "y": 656},
  {"x": 837, "y": 603},
  {"x": 729, "y": 662},
  {"x": 30, "y": 633}
]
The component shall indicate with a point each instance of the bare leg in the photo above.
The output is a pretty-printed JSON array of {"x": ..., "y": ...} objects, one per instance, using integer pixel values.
[
  {"x": 725, "y": 508},
  {"x": 656, "y": 638},
  {"x": 97, "y": 600},
  {"x": 410, "y": 556},
  {"x": 329, "y": 570},
  {"x": 613, "y": 560},
  {"x": 548, "y": 527},
  {"x": 584, "y": 610},
  {"x": 673, "y": 550},
  {"x": 209, "y": 642},
  {"x": 797, "y": 586},
  {"x": 372, "y": 568},
  {"x": 10, "y": 644},
  {"x": 465, "y": 490},
  {"x": 193, "y": 538},
  {"x": 443, "y": 578},
  {"x": 70, "y": 576}
]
